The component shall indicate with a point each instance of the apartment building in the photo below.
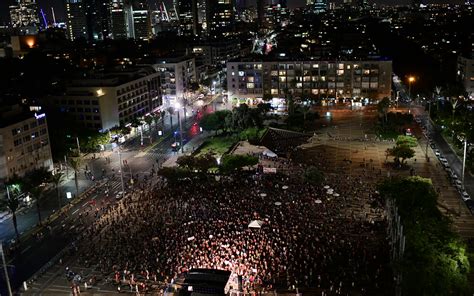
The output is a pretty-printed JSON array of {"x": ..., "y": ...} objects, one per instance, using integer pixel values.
[
  {"x": 176, "y": 74},
  {"x": 104, "y": 100},
  {"x": 24, "y": 142},
  {"x": 252, "y": 79}
]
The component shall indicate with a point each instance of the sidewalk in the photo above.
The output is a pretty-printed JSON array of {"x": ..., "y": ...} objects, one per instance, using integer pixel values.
[{"x": 188, "y": 149}]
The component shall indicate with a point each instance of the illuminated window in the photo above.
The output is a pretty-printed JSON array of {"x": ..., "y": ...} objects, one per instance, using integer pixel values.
[
  {"x": 241, "y": 73},
  {"x": 250, "y": 79},
  {"x": 340, "y": 66},
  {"x": 274, "y": 73},
  {"x": 282, "y": 73},
  {"x": 299, "y": 85},
  {"x": 250, "y": 85},
  {"x": 315, "y": 65},
  {"x": 340, "y": 72},
  {"x": 274, "y": 91},
  {"x": 282, "y": 79}
]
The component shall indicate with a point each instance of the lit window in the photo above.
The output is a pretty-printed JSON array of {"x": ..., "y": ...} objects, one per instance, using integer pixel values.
[{"x": 250, "y": 85}]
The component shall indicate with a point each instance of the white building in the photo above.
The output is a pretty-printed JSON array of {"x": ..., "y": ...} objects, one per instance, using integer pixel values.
[
  {"x": 251, "y": 79},
  {"x": 466, "y": 74},
  {"x": 111, "y": 99},
  {"x": 176, "y": 75},
  {"x": 24, "y": 142}
]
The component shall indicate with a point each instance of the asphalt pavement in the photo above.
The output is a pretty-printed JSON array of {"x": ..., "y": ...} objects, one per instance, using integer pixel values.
[{"x": 36, "y": 251}]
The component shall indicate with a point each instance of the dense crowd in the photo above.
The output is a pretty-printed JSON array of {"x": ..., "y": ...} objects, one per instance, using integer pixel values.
[{"x": 312, "y": 239}]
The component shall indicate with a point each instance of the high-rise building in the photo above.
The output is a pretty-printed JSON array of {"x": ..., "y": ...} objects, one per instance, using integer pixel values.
[
  {"x": 260, "y": 12},
  {"x": 24, "y": 14},
  {"x": 221, "y": 16},
  {"x": 76, "y": 19},
  {"x": 120, "y": 19},
  {"x": 320, "y": 6},
  {"x": 141, "y": 20},
  {"x": 188, "y": 17}
]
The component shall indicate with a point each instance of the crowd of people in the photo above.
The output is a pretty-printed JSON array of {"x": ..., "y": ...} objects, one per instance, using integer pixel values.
[{"x": 310, "y": 239}]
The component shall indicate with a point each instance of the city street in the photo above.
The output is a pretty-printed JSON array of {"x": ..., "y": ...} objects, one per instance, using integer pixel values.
[{"x": 35, "y": 253}]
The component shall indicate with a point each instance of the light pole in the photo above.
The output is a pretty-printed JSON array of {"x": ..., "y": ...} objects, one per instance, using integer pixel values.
[
  {"x": 121, "y": 170},
  {"x": 464, "y": 161},
  {"x": 177, "y": 107},
  {"x": 5, "y": 270},
  {"x": 78, "y": 146},
  {"x": 411, "y": 79}
]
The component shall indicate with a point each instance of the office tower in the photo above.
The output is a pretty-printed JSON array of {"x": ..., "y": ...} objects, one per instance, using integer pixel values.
[
  {"x": 260, "y": 12},
  {"x": 24, "y": 13},
  {"x": 76, "y": 19},
  {"x": 188, "y": 17},
  {"x": 320, "y": 6},
  {"x": 141, "y": 22},
  {"x": 120, "y": 15},
  {"x": 221, "y": 16}
]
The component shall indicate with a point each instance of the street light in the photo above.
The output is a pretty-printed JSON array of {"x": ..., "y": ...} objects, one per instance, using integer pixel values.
[
  {"x": 177, "y": 106},
  {"x": 411, "y": 79},
  {"x": 121, "y": 170}
]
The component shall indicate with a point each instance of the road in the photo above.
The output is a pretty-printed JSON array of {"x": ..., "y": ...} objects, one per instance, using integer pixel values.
[
  {"x": 454, "y": 161},
  {"x": 34, "y": 253}
]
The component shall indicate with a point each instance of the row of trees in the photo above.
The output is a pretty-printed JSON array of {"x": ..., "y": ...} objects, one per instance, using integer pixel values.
[
  {"x": 35, "y": 184},
  {"x": 239, "y": 119},
  {"x": 188, "y": 165},
  {"x": 435, "y": 260}
]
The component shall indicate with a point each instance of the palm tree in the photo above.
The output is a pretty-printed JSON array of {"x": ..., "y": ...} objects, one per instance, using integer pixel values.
[
  {"x": 37, "y": 193},
  {"x": 12, "y": 202},
  {"x": 34, "y": 183},
  {"x": 56, "y": 179},
  {"x": 455, "y": 103},
  {"x": 75, "y": 164}
]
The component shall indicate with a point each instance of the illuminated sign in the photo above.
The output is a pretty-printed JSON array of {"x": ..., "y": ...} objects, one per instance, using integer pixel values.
[{"x": 39, "y": 116}]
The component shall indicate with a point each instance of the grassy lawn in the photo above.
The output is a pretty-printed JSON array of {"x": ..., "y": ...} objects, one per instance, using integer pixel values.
[
  {"x": 217, "y": 145},
  {"x": 221, "y": 144}
]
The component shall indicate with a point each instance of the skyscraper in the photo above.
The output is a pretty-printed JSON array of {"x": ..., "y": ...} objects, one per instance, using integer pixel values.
[
  {"x": 221, "y": 16},
  {"x": 76, "y": 19},
  {"x": 24, "y": 14},
  {"x": 320, "y": 6},
  {"x": 141, "y": 21},
  {"x": 120, "y": 15},
  {"x": 260, "y": 12},
  {"x": 188, "y": 17}
]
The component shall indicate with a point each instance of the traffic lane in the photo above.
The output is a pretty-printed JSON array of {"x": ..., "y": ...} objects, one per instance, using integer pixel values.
[
  {"x": 454, "y": 162},
  {"x": 57, "y": 235}
]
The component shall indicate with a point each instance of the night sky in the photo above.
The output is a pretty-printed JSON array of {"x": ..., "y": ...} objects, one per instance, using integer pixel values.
[{"x": 59, "y": 6}]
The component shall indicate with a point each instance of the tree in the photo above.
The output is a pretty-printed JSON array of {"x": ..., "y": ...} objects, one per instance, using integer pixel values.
[
  {"x": 455, "y": 103},
  {"x": 211, "y": 122},
  {"x": 75, "y": 163},
  {"x": 205, "y": 162},
  {"x": 149, "y": 120},
  {"x": 56, "y": 179},
  {"x": 313, "y": 175},
  {"x": 231, "y": 163},
  {"x": 12, "y": 202},
  {"x": 383, "y": 107},
  {"x": 186, "y": 161},
  {"x": 403, "y": 152},
  {"x": 34, "y": 182},
  {"x": 406, "y": 141},
  {"x": 435, "y": 261}
]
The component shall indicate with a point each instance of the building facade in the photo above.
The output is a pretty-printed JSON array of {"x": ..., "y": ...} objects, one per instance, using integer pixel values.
[
  {"x": 466, "y": 74},
  {"x": 24, "y": 142},
  {"x": 76, "y": 19},
  {"x": 309, "y": 79},
  {"x": 25, "y": 15},
  {"x": 104, "y": 101},
  {"x": 176, "y": 76},
  {"x": 120, "y": 19}
]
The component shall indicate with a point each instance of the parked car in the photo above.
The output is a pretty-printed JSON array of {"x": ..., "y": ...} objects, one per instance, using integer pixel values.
[
  {"x": 465, "y": 196},
  {"x": 437, "y": 153}
]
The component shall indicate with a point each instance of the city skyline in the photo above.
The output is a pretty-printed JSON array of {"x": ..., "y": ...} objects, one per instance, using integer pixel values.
[{"x": 60, "y": 7}]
